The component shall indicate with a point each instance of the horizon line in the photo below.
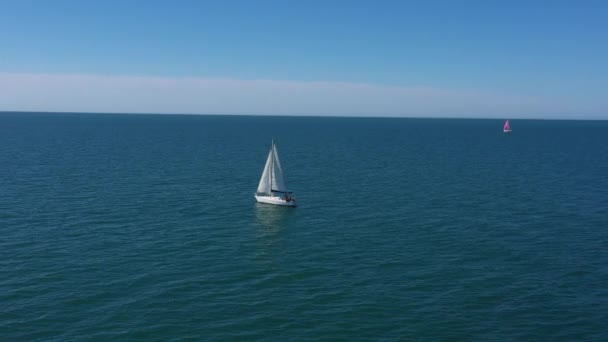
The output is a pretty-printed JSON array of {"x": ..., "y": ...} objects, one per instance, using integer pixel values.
[{"x": 2, "y": 112}]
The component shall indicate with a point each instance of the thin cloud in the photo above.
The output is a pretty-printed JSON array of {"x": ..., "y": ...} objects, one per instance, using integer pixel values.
[{"x": 134, "y": 94}]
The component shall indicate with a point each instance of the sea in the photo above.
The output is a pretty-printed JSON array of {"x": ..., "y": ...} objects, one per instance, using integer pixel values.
[{"x": 144, "y": 228}]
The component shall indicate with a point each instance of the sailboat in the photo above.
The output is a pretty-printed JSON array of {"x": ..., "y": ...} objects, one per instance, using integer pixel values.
[
  {"x": 272, "y": 189},
  {"x": 507, "y": 127}
]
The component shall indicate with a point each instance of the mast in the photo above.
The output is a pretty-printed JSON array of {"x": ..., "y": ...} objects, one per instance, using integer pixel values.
[{"x": 271, "y": 166}]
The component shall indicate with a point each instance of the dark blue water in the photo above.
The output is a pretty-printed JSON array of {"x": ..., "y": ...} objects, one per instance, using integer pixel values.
[{"x": 144, "y": 227}]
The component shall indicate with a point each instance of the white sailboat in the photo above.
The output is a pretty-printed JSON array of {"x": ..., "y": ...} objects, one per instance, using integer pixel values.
[
  {"x": 272, "y": 189},
  {"x": 507, "y": 127}
]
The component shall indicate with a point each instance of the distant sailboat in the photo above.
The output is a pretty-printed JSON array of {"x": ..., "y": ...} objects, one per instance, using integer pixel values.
[
  {"x": 507, "y": 127},
  {"x": 272, "y": 189}
]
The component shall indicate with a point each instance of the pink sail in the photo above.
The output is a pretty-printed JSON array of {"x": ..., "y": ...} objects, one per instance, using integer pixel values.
[{"x": 507, "y": 126}]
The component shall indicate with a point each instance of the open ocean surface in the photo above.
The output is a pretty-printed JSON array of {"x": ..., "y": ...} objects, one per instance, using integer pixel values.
[{"x": 144, "y": 227}]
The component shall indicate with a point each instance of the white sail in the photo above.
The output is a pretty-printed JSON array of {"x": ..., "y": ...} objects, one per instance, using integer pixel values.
[
  {"x": 264, "y": 186},
  {"x": 278, "y": 181}
]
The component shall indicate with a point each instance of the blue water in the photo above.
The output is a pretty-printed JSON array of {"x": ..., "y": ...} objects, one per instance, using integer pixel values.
[{"x": 144, "y": 227}]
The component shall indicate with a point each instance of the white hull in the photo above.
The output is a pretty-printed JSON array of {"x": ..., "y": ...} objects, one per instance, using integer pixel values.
[
  {"x": 506, "y": 130},
  {"x": 274, "y": 200}
]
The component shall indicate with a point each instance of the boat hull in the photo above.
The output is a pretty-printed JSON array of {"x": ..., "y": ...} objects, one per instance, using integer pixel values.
[
  {"x": 275, "y": 201},
  {"x": 506, "y": 130}
]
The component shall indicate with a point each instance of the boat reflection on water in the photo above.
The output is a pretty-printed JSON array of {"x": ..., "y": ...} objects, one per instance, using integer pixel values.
[
  {"x": 271, "y": 222},
  {"x": 271, "y": 219}
]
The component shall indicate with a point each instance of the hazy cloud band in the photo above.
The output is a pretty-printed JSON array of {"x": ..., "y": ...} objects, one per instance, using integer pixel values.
[{"x": 133, "y": 94}]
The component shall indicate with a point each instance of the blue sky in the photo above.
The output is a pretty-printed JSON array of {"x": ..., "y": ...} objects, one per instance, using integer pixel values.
[{"x": 393, "y": 58}]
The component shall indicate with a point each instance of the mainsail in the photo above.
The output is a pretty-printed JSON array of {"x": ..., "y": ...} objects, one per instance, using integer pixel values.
[
  {"x": 507, "y": 126},
  {"x": 278, "y": 182},
  {"x": 272, "y": 176}
]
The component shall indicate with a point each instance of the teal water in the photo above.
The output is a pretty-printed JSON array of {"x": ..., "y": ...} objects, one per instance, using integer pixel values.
[{"x": 144, "y": 227}]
